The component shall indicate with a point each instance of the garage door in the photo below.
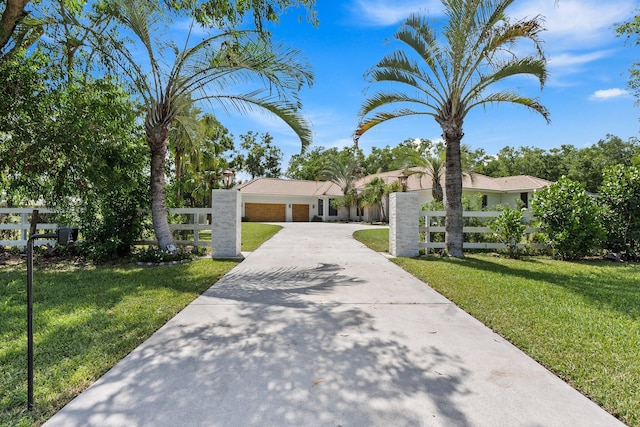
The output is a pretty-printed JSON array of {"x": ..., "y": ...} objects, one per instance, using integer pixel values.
[
  {"x": 265, "y": 212},
  {"x": 300, "y": 213}
]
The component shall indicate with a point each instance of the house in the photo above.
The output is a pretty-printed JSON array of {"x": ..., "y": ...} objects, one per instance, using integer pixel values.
[{"x": 284, "y": 200}]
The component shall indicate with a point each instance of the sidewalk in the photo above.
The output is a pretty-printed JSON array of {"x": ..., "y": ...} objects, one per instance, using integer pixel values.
[{"x": 314, "y": 329}]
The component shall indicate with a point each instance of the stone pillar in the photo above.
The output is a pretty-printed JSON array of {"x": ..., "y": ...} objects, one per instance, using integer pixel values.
[
  {"x": 404, "y": 231},
  {"x": 226, "y": 224}
]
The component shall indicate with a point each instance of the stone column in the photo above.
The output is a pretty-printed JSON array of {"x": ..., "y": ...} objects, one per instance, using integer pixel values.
[
  {"x": 226, "y": 224},
  {"x": 404, "y": 230}
]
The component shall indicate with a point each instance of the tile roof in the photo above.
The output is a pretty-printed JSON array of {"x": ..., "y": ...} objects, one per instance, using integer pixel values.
[
  {"x": 418, "y": 180},
  {"x": 288, "y": 187}
]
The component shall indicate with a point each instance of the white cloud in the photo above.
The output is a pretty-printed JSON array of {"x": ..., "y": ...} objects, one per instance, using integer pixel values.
[
  {"x": 609, "y": 93},
  {"x": 577, "y": 23},
  {"x": 390, "y": 12},
  {"x": 569, "y": 59}
]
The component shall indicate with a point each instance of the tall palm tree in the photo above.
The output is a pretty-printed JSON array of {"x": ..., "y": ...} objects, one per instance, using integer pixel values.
[
  {"x": 449, "y": 75},
  {"x": 206, "y": 70}
]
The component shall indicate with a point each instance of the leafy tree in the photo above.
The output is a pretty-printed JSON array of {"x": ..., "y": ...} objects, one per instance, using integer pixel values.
[
  {"x": 17, "y": 31},
  {"x": 206, "y": 70},
  {"x": 569, "y": 217},
  {"x": 630, "y": 30},
  {"x": 590, "y": 162},
  {"x": 453, "y": 74},
  {"x": 307, "y": 165},
  {"x": 259, "y": 158},
  {"x": 76, "y": 146},
  {"x": 311, "y": 164},
  {"x": 393, "y": 158},
  {"x": 620, "y": 197}
]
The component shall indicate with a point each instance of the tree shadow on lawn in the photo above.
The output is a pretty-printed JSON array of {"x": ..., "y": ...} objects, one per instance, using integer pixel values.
[
  {"x": 608, "y": 288},
  {"x": 260, "y": 349},
  {"x": 79, "y": 315}
]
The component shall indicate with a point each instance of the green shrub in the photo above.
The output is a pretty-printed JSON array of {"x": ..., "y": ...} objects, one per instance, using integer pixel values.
[
  {"x": 509, "y": 227},
  {"x": 620, "y": 198},
  {"x": 569, "y": 217},
  {"x": 154, "y": 254}
]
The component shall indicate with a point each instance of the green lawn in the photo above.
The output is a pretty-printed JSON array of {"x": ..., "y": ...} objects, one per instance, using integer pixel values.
[
  {"x": 87, "y": 319},
  {"x": 579, "y": 319},
  {"x": 254, "y": 234}
]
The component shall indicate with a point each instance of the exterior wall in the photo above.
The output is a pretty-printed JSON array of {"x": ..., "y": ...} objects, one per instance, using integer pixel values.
[
  {"x": 494, "y": 198},
  {"x": 226, "y": 228},
  {"x": 404, "y": 230},
  {"x": 289, "y": 201}
]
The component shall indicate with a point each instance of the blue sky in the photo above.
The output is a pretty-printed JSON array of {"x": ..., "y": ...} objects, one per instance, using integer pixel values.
[{"x": 586, "y": 92}]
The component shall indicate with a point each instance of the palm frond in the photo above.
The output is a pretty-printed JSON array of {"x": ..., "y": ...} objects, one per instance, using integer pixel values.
[
  {"x": 513, "y": 97},
  {"x": 254, "y": 101}
]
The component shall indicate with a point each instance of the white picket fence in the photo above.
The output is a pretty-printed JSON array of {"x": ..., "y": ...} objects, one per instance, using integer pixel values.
[
  {"x": 17, "y": 221},
  {"x": 437, "y": 217}
]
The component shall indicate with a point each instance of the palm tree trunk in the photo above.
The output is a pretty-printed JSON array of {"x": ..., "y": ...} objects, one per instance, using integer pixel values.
[
  {"x": 453, "y": 186},
  {"x": 157, "y": 140}
]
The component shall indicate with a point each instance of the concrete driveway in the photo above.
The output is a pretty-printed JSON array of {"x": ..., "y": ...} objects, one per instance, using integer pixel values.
[{"x": 314, "y": 329}]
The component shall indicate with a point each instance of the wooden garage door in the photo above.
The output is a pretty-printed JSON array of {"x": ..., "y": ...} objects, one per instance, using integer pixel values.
[
  {"x": 265, "y": 212},
  {"x": 300, "y": 213}
]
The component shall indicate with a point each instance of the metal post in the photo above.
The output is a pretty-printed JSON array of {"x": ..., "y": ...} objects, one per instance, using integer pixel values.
[
  {"x": 30, "y": 324},
  {"x": 30, "y": 314}
]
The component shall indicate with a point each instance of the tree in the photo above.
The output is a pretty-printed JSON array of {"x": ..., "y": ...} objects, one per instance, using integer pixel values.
[
  {"x": 307, "y": 165},
  {"x": 630, "y": 30},
  {"x": 620, "y": 197},
  {"x": 259, "y": 158},
  {"x": 206, "y": 70},
  {"x": 77, "y": 147},
  {"x": 15, "y": 33},
  {"x": 376, "y": 193},
  {"x": 345, "y": 172},
  {"x": 198, "y": 144},
  {"x": 453, "y": 74}
]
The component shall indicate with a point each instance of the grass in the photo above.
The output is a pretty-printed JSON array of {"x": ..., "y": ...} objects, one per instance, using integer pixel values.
[
  {"x": 377, "y": 239},
  {"x": 86, "y": 320},
  {"x": 579, "y": 319},
  {"x": 254, "y": 234}
]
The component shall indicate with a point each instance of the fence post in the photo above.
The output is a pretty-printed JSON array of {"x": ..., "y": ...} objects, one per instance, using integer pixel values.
[
  {"x": 404, "y": 231},
  {"x": 225, "y": 224}
]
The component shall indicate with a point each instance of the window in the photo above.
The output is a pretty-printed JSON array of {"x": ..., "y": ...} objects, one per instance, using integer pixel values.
[
  {"x": 332, "y": 211},
  {"x": 485, "y": 200},
  {"x": 320, "y": 207},
  {"x": 525, "y": 199}
]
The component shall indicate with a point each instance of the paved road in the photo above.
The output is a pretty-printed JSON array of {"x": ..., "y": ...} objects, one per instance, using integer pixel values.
[{"x": 314, "y": 329}]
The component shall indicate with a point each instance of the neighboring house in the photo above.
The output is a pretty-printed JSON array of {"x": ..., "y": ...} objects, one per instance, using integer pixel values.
[{"x": 282, "y": 200}]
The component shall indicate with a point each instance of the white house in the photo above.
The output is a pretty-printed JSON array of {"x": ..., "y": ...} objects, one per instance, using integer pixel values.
[{"x": 284, "y": 200}]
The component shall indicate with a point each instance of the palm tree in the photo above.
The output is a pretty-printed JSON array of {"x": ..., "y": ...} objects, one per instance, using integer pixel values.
[
  {"x": 207, "y": 70},
  {"x": 345, "y": 173},
  {"x": 432, "y": 163},
  {"x": 376, "y": 194},
  {"x": 453, "y": 74}
]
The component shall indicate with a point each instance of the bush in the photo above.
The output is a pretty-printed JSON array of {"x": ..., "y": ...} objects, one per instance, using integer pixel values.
[
  {"x": 509, "y": 227},
  {"x": 620, "y": 198},
  {"x": 569, "y": 217},
  {"x": 154, "y": 254}
]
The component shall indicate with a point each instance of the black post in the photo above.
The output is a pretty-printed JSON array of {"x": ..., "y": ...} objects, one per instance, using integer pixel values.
[
  {"x": 30, "y": 323},
  {"x": 30, "y": 314}
]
